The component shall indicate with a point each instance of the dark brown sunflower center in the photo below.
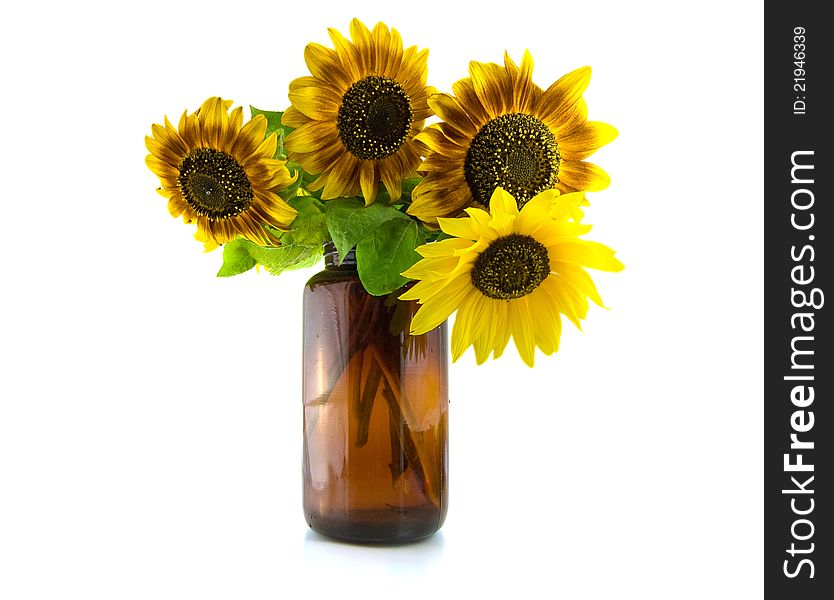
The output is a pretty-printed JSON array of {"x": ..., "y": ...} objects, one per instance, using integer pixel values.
[
  {"x": 374, "y": 118},
  {"x": 214, "y": 184},
  {"x": 511, "y": 267},
  {"x": 516, "y": 152}
]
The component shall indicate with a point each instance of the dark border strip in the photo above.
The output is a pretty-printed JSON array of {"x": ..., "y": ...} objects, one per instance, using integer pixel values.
[{"x": 799, "y": 227}]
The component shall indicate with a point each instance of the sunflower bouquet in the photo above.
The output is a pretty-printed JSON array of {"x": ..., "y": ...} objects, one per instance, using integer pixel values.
[
  {"x": 482, "y": 209},
  {"x": 478, "y": 212}
]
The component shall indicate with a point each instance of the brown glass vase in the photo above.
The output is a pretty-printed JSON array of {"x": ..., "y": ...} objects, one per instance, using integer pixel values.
[{"x": 375, "y": 413}]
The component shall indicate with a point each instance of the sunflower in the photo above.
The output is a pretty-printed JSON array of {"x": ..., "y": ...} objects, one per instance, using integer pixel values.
[
  {"x": 509, "y": 273},
  {"x": 358, "y": 113},
  {"x": 220, "y": 174},
  {"x": 502, "y": 130}
]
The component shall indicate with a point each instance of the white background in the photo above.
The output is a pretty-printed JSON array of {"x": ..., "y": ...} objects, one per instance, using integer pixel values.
[{"x": 150, "y": 418}]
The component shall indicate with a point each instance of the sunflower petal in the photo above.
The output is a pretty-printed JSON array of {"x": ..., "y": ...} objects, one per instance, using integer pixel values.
[
  {"x": 233, "y": 126},
  {"x": 250, "y": 137},
  {"x": 424, "y": 289},
  {"x": 447, "y": 108},
  {"x": 565, "y": 204},
  {"x": 502, "y": 204},
  {"x": 293, "y": 117},
  {"x": 170, "y": 137},
  {"x": 586, "y": 140},
  {"x": 535, "y": 212},
  {"x": 583, "y": 175},
  {"x": 578, "y": 277},
  {"x": 510, "y": 66},
  {"x": 462, "y": 329},
  {"x": 490, "y": 83},
  {"x": 361, "y": 37},
  {"x": 348, "y": 54},
  {"x": 560, "y": 97},
  {"x": 324, "y": 64},
  {"x": 160, "y": 168},
  {"x": 264, "y": 152},
  {"x": 163, "y": 152},
  {"x": 588, "y": 254},
  {"x": 316, "y": 102},
  {"x": 548, "y": 322},
  {"x": 436, "y": 197},
  {"x": 392, "y": 179},
  {"x": 439, "y": 307},
  {"x": 562, "y": 301},
  {"x": 311, "y": 137},
  {"x": 502, "y": 328},
  {"x": 460, "y": 227},
  {"x": 433, "y": 140},
  {"x": 368, "y": 181},
  {"x": 567, "y": 122},
  {"x": 522, "y": 328},
  {"x": 390, "y": 49},
  {"x": 413, "y": 73},
  {"x": 321, "y": 159},
  {"x": 465, "y": 95},
  {"x": 213, "y": 119},
  {"x": 483, "y": 342},
  {"x": 442, "y": 248},
  {"x": 343, "y": 178},
  {"x": 482, "y": 224},
  {"x": 176, "y": 206},
  {"x": 433, "y": 268},
  {"x": 504, "y": 210},
  {"x": 523, "y": 88}
]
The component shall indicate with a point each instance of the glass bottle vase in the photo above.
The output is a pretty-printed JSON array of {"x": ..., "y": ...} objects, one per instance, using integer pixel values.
[{"x": 375, "y": 412}]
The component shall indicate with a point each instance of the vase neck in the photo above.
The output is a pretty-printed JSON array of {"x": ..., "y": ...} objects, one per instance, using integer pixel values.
[{"x": 331, "y": 258}]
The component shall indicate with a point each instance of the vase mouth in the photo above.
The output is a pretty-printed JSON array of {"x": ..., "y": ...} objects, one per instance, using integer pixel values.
[{"x": 331, "y": 257}]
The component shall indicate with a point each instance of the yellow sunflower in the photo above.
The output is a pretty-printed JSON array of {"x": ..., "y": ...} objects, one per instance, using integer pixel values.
[
  {"x": 358, "y": 113},
  {"x": 221, "y": 174},
  {"x": 502, "y": 130},
  {"x": 509, "y": 273}
]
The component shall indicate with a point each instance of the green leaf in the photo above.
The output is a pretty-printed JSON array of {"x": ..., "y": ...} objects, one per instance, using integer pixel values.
[
  {"x": 387, "y": 252},
  {"x": 307, "y": 203},
  {"x": 350, "y": 221},
  {"x": 409, "y": 185},
  {"x": 240, "y": 255},
  {"x": 309, "y": 227},
  {"x": 301, "y": 246},
  {"x": 236, "y": 259},
  {"x": 286, "y": 257}
]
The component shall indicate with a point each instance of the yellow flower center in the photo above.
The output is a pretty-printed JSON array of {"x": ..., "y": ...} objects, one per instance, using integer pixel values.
[
  {"x": 374, "y": 118},
  {"x": 511, "y": 267},
  {"x": 214, "y": 184},
  {"x": 516, "y": 152}
]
